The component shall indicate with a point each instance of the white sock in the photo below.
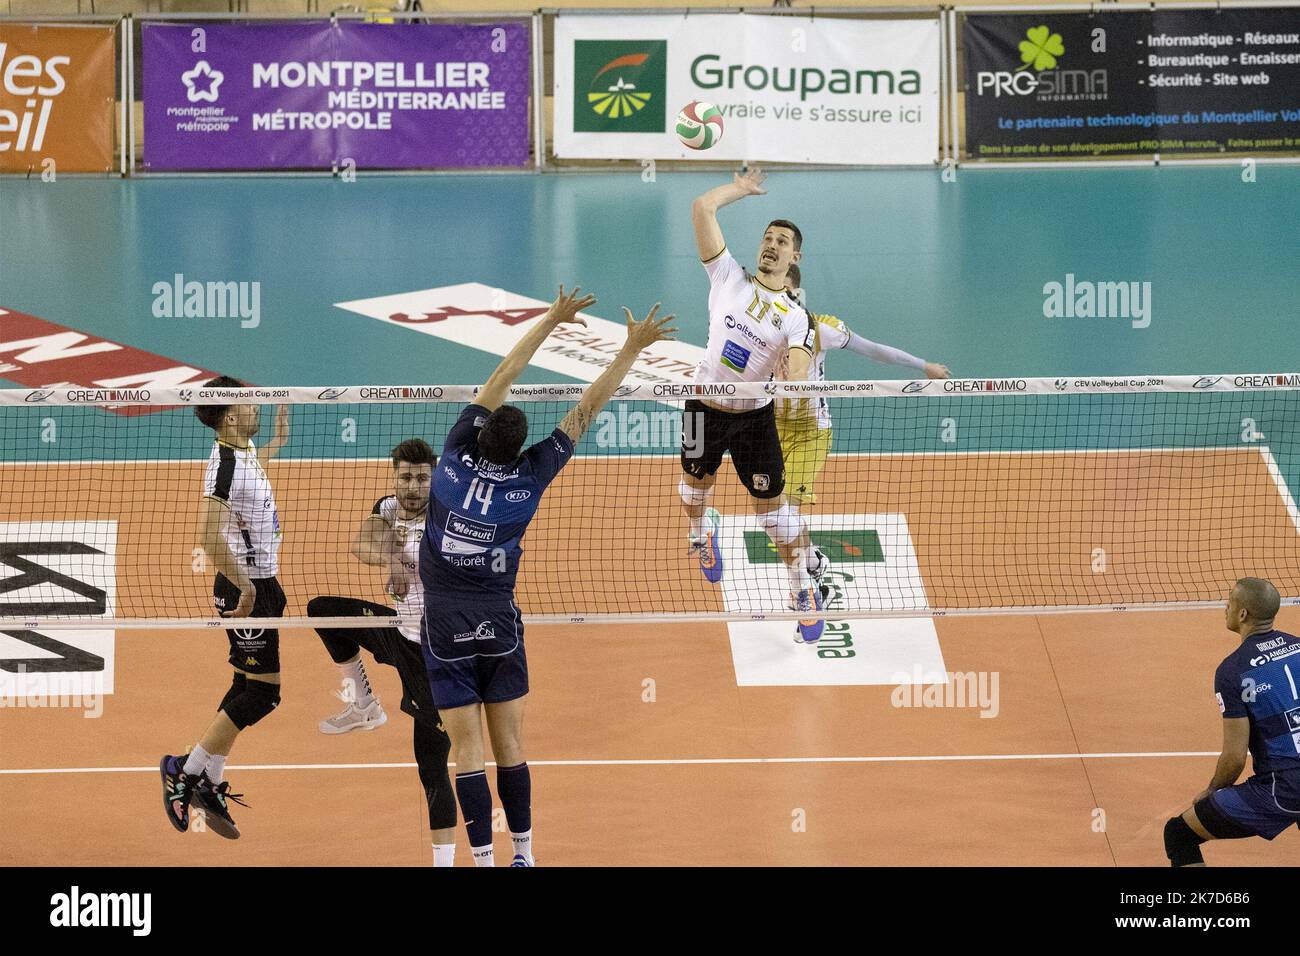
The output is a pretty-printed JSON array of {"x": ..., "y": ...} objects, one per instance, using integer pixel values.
[
  {"x": 800, "y": 579},
  {"x": 216, "y": 768},
  {"x": 444, "y": 854},
  {"x": 482, "y": 855},
  {"x": 354, "y": 675},
  {"x": 697, "y": 528},
  {"x": 523, "y": 844},
  {"x": 197, "y": 761}
]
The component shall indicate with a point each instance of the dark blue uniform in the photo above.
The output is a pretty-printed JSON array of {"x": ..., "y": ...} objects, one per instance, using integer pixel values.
[
  {"x": 473, "y": 636},
  {"x": 1261, "y": 682}
]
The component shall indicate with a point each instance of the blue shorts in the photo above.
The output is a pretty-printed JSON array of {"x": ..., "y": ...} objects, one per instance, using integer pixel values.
[
  {"x": 1266, "y": 804},
  {"x": 474, "y": 655}
]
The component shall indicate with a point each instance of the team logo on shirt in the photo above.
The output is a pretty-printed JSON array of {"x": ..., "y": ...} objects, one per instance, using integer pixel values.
[{"x": 468, "y": 529}]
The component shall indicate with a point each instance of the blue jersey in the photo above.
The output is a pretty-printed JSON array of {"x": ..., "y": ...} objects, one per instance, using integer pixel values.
[
  {"x": 1261, "y": 681},
  {"x": 478, "y": 513}
]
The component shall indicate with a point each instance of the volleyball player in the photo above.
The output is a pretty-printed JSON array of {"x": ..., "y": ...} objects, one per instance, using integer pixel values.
[
  {"x": 389, "y": 539},
  {"x": 1258, "y": 690},
  {"x": 754, "y": 326},
  {"x": 240, "y": 534},
  {"x": 806, "y": 437},
  {"x": 486, "y": 491}
]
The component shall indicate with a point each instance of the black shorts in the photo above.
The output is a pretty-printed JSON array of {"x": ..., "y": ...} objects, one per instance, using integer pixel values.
[
  {"x": 751, "y": 437},
  {"x": 254, "y": 651},
  {"x": 386, "y": 644}
]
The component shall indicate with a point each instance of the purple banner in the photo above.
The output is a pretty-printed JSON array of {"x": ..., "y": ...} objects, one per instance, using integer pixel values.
[{"x": 312, "y": 95}]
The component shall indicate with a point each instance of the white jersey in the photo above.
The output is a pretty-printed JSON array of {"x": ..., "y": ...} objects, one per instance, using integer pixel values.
[
  {"x": 829, "y": 334},
  {"x": 406, "y": 533},
  {"x": 750, "y": 329},
  {"x": 235, "y": 477}
]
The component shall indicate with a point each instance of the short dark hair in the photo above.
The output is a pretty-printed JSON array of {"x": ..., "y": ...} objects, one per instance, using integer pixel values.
[
  {"x": 211, "y": 415},
  {"x": 1259, "y": 598},
  {"x": 503, "y": 435},
  {"x": 787, "y": 224},
  {"x": 415, "y": 451}
]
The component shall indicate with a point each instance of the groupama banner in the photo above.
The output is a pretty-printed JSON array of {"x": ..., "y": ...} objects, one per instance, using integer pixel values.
[
  {"x": 1140, "y": 82},
  {"x": 312, "y": 95},
  {"x": 791, "y": 89}
]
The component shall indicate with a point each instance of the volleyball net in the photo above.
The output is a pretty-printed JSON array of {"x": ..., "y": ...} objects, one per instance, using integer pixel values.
[{"x": 929, "y": 498}]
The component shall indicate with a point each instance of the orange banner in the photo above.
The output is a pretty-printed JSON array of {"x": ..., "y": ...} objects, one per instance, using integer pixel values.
[{"x": 56, "y": 98}]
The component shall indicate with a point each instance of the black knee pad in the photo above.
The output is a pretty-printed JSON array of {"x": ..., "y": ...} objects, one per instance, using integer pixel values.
[
  {"x": 431, "y": 749},
  {"x": 258, "y": 699},
  {"x": 236, "y": 688},
  {"x": 1182, "y": 845},
  {"x": 1217, "y": 824}
]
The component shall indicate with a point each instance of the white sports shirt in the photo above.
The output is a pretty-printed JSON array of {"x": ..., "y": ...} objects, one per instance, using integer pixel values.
[
  {"x": 407, "y": 533},
  {"x": 235, "y": 477}
]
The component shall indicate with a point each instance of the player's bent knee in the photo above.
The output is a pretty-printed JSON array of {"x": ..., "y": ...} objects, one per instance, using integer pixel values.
[
  {"x": 1218, "y": 824},
  {"x": 783, "y": 525},
  {"x": 693, "y": 496},
  {"x": 258, "y": 699},
  {"x": 1182, "y": 844}
]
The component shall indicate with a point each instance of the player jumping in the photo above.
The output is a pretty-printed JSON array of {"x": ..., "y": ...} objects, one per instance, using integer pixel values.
[
  {"x": 1258, "y": 689},
  {"x": 485, "y": 492},
  {"x": 240, "y": 533},
  {"x": 753, "y": 324},
  {"x": 389, "y": 539}
]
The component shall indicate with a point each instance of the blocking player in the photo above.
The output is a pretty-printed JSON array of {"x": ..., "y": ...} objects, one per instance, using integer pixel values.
[
  {"x": 486, "y": 490},
  {"x": 754, "y": 326},
  {"x": 1258, "y": 689},
  {"x": 389, "y": 539},
  {"x": 806, "y": 437},
  {"x": 240, "y": 533}
]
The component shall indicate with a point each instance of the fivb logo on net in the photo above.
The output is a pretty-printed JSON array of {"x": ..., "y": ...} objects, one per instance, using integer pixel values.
[{"x": 1039, "y": 52}]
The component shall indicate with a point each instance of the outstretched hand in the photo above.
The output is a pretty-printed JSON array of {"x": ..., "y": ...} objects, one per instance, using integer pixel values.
[
  {"x": 649, "y": 330},
  {"x": 935, "y": 370},
  {"x": 751, "y": 181},
  {"x": 566, "y": 307}
]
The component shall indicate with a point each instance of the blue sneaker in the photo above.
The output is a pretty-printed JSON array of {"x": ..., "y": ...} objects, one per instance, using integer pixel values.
[
  {"x": 708, "y": 550},
  {"x": 808, "y": 631},
  {"x": 520, "y": 860}
]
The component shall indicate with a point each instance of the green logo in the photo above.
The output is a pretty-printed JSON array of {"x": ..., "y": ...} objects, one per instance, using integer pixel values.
[
  {"x": 619, "y": 86},
  {"x": 1041, "y": 49},
  {"x": 842, "y": 547}
]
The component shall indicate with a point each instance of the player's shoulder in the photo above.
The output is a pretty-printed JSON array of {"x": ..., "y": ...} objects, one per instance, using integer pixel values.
[
  {"x": 833, "y": 321},
  {"x": 385, "y": 507}
]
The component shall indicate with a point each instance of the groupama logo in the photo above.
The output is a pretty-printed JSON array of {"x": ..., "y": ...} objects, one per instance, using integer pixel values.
[{"x": 619, "y": 85}]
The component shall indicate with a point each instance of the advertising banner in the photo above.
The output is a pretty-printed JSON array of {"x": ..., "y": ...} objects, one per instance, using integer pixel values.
[
  {"x": 790, "y": 89},
  {"x": 312, "y": 95},
  {"x": 56, "y": 97},
  {"x": 1165, "y": 81}
]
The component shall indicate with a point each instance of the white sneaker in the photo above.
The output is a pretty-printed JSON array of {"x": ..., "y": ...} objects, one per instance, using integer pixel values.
[{"x": 354, "y": 718}]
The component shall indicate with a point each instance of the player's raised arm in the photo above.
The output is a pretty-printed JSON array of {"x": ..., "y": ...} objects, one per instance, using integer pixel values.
[
  {"x": 704, "y": 210},
  {"x": 272, "y": 448},
  {"x": 885, "y": 354},
  {"x": 374, "y": 543},
  {"x": 564, "y": 309},
  {"x": 640, "y": 335}
]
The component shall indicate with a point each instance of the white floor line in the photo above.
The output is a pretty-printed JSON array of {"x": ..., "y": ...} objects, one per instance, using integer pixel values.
[
  {"x": 684, "y": 761},
  {"x": 1276, "y": 474}
]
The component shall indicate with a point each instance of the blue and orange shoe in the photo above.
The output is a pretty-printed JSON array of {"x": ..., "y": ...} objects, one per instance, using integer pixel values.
[
  {"x": 709, "y": 551},
  {"x": 178, "y": 791},
  {"x": 808, "y": 631}
]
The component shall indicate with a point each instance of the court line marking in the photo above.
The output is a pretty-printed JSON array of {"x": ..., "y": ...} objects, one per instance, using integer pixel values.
[
  {"x": 671, "y": 455},
  {"x": 1276, "y": 474},
  {"x": 674, "y": 761}
]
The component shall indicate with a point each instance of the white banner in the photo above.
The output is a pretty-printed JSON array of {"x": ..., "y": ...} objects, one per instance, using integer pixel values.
[{"x": 791, "y": 89}]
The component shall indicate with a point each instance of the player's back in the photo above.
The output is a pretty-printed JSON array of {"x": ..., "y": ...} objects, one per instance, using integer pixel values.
[
  {"x": 479, "y": 511},
  {"x": 1261, "y": 680}
]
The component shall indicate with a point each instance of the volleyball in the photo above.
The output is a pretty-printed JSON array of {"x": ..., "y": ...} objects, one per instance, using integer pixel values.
[{"x": 699, "y": 125}]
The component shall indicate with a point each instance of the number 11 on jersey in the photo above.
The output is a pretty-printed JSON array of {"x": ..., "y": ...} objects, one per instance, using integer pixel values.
[{"x": 477, "y": 490}]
